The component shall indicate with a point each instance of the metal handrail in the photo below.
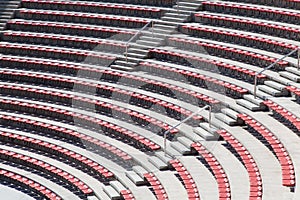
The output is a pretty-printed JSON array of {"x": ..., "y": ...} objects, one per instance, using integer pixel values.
[
  {"x": 136, "y": 34},
  {"x": 183, "y": 121},
  {"x": 272, "y": 65}
]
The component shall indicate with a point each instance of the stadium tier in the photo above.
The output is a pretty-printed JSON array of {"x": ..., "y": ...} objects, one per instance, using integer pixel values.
[{"x": 150, "y": 99}]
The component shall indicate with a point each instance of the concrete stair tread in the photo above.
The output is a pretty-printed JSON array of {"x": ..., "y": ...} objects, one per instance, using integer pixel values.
[
  {"x": 117, "y": 186},
  {"x": 185, "y": 141},
  {"x": 173, "y": 19},
  {"x": 290, "y": 76},
  {"x": 149, "y": 43},
  {"x": 161, "y": 155},
  {"x": 111, "y": 192},
  {"x": 225, "y": 118},
  {"x": 204, "y": 133},
  {"x": 175, "y": 14},
  {"x": 272, "y": 91},
  {"x": 134, "y": 50},
  {"x": 208, "y": 128},
  {"x": 158, "y": 163},
  {"x": 139, "y": 170},
  {"x": 293, "y": 70},
  {"x": 181, "y": 148},
  {"x": 249, "y": 105},
  {"x": 136, "y": 55},
  {"x": 150, "y": 38},
  {"x": 275, "y": 85},
  {"x": 231, "y": 113},
  {"x": 135, "y": 178},
  {"x": 256, "y": 101},
  {"x": 123, "y": 68}
]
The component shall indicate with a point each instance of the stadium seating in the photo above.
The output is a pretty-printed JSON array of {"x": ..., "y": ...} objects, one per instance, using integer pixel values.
[
  {"x": 94, "y": 97},
  {"x": 19, "y": 179}
]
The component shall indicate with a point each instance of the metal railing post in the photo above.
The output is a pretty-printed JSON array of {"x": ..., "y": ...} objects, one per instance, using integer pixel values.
[
  {"x": 126, "y": 52},
  {"x": 298, "y": 65},
  {"x": 255, "y": 85},
  {"x": 209, "y": 116},
  {"x": 183, "y": 121},
  {"x": 152, "y": 25}
]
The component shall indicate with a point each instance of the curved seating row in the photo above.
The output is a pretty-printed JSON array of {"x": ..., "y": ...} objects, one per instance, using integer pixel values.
[
  {"x": 228, "y": 52},
  {"x": 55, "y": 53},
  {"x": 248, "y": 162},
  {"x": 65, "y": 41},
  {"x": 194, "y": 78},
  {"x": 217, "y": 170},
  {"x": 70, "y": 29},
  {"x": 187, "y": 180},
  {"x": 74, "y": 17},
  {"x": 50, "y": 130},
  {"x": 110, "y": 129},
  {"x": 224, "y": 68},
  {"x": 249, "y": 25},
  {"x": 134, "y": 98},
  {"x": 293, "y": 4},
  {"x": 99, "y": 106},
  {"x": 83, "y": 163},
  {"x": 159, "y": 3},
  {"x": 93, "y": 7},
  {"x": 49, "y": 169},
  {"x": 156, "y": 186},
  {"x": 238, "y": 38},
  {"x": 19, "y": 179},
  {"x": 277, "y": 148},
  {"x": 253, "y": 11},
  {"x": 283, "y": 115},
  {"x": 107, "y": 75}
]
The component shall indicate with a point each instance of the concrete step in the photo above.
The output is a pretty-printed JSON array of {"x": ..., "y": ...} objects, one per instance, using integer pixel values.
[
  {"x": 204, "y": 134},
  {"x": 135, "y": 178},
  {"x": 277, "y": 86},
  {"x": 177, "y": 15},
  {"x": 125, "y": 63},
  {"x": 290, "y": 76},
  {"x": 187, "y": 8},
  {"x": 111, "y": 192},
  {"x": 165, "y": 158},
  {"x": 137, "y": 50},
  {"x": 152, "y": 38},
  {"x": 181, "y": 148},
  {"x": 272, "y": 91},
  {"x": 173, "y": 19},
  {"x": 249, "y": 105},
  {"x": 229, "y": 112},
  {"x": 257, "y": 101},
  {"x": 163, "y": 26},
  {"x": 139, "y": 170},
  {"x": 148, "y": 43},
  {"x": 117, "y": 186},
  {"x": 195, "y": 5},
  {"x": 293, "y": 70},
  {"x": 208, "y": 128},
  {"x": 158, "y": 163},
  {"x": 226, "y": 119},
  {"x": 122, "y": 68},
  {"x": 136, "y": 55},
  {"x": 185, "y": 141}
]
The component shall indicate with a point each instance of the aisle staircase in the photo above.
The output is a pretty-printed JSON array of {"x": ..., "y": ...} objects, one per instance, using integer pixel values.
[
  {"x": 155, "y": 36},
  {"x": 7, "y": 9}
]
